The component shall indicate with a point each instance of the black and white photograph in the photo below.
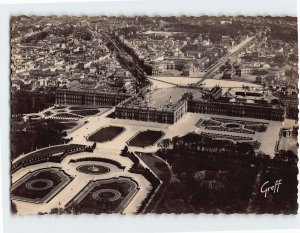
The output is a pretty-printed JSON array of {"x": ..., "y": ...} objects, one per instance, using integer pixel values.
[{"x": 153, "y": 114}]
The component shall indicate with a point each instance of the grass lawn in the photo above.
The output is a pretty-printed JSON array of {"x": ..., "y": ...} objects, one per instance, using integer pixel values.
[
  {"x": 82, "y": 108},
  {"x": 40, "y": 185},
  {"x": 67, "y": 115},
  {"x": 87, "y": 112},
  {"x": 106, "y": 134},
  {"x": 145, "y": 138},
  {"x": 104, "y": 196},
  {"x": 156, "y": 165},
  {"x": 67, "y": 124},
  {"x": 162, "y": 171}
]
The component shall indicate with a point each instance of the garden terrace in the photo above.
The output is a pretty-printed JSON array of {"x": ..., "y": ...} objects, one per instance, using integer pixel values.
[
  {"x": 53, "y": 153},
  {"x": 51, "y": 150},
  {"x": 105, "y": 160},
  {"x": 106, "y": 134},
  {"x": 145, "y": 138}
]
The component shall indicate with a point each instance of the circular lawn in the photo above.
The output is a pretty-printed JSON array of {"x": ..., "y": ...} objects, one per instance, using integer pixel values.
[{"x": 93, "y": 169}]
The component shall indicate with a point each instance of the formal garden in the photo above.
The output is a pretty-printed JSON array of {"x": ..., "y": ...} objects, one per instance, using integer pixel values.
[
  {"x": 104, "y": 196},
  {"x": 40, "y": 186},
  {"x": 232, "y": 125},
  {"x": 86, "y": 112},
  {"x": 145, "y": 138},
  {"x": 106, "y": 134}
]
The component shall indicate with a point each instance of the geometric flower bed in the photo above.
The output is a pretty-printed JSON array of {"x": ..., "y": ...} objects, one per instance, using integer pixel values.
[
  {"x": 226, "y": 127},
  {"x": 93, "y": 169},
  {"x": 207, "y": 122},
  {"x": 251, "y": 125},
  {"x": 66, "y": 116},
  {"x": 104, "y": 196},
  {"x": 106, "y": 134},
  {"x": 255, "y": 144},
  {"x": 87, "y": 112},
  {"x": 232, "y": 125},
  {"x": 226, "y": 136},
  {"x": 145, "y": 138},
  {"x": 40, "y": 186}
]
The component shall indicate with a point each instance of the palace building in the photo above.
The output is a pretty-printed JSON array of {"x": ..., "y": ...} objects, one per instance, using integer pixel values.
[
  {"x": 170, "y": 104},
  {"x": 96, "y": 98},
  {"x": 238, "y": 109},
  {"x": 236, "y": 102},
  {"x": 165, "y": 115}
]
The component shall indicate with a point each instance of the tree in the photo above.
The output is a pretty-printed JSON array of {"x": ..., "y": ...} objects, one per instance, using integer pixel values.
[
  {"x": 244, "y": 148},
  {"x": 124, "y": 152},
  {"x": 262, "y": 155},
  {"x": 165, "y": 143}
]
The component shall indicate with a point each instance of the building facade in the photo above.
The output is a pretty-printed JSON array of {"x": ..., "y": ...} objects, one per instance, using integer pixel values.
[
  {"x": 259, "y": 111},
  {"x": 170, "y": 115},
  {"x": 72, "y": 97},
  {"x": 166, "y": 116}
]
